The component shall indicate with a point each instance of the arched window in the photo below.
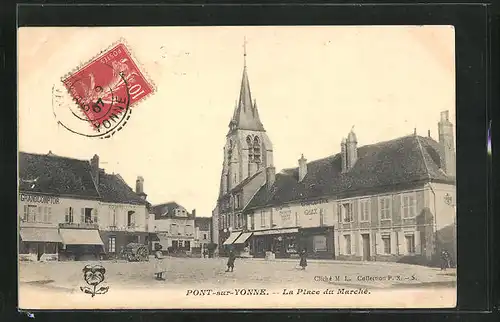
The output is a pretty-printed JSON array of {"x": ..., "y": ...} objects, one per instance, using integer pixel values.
[
  {"x": 230, "y": 151},
  {"x": 256, "y": 149},
  {"x": 250, "y": 148}
]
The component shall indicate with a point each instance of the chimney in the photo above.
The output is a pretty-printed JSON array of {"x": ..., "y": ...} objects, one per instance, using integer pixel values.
[
  {"x": 343, "y": 154},
  {"x": 415, "y": 131},
  {"x": 446, "y": 139},
  {"x": 94, "y": 166},
  {"x": 139, "y": 187},
  {"x": 270, "y": 176},
  {"x": 302, "y": 168},
  {"x": 352, "y": 149},
  {"x": 429, "y": 133},
  {"x": 194, "y": 212}
]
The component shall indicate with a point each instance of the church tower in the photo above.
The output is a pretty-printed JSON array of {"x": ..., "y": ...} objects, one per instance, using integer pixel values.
[{"x": 248, "y": 149}]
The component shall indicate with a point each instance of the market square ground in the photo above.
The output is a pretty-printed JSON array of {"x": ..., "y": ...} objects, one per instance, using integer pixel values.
[{"x": 207, "y": 272}]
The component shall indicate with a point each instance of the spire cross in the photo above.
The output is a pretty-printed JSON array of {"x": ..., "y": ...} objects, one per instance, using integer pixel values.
[{"x": 245, "y": 51}]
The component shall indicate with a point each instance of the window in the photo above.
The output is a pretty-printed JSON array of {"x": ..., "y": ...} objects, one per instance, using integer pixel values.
[
  {"x": 250, "y": 149},
  {"x": 319, "y": 243},
  {"x": 256, "y": 150},
  {"x": 175, "y": 244},
  {"x": 87, "y": 215},
  {"x": 112, "y": 244},
  {"x": 386, "y": 242},
  {"x": 262, "y": 218},
  {"x": 410, "y": 243},
  {"x": 204, "y": 236},
  {"x": 252, "y": 222},
  {"x": 385, "y": 208},
  {"x": 189, "y": 230},
  {"x": 187, "y": 245},
  {"x": 364, "y": 210},
  {"x": 68, "y": 216},
  {"x": 346, "y": 212},
  {"x": 174, "y": 229},
  {"x": 347, "y": 244},
  {"x": 409, "y": 205},
  {"x": 131, "y": 218},
  {"x": 181, "y": 243}
]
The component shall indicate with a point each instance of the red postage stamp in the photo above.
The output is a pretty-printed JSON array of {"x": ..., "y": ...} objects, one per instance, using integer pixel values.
[{"x": 106, "y": 87}]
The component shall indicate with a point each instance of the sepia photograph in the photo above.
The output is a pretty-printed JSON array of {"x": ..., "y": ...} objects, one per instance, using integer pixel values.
[{"x": 259, "y": 167}]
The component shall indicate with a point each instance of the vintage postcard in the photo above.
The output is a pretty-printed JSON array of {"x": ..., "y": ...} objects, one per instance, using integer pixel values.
[{"x": 237, "y": 167}]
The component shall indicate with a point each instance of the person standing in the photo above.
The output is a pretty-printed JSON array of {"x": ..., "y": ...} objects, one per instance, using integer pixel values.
[
  {"x": 230, "y": 261},
  {"x": 303, "y": 259},
  {"x": 159, "y": 267},
  {"x": 445, "y": 259}
]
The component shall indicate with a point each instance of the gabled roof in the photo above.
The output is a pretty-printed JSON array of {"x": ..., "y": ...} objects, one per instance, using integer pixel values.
[
  {"x": 63, "y": 176},
  {"x": 55, "y": 175},
  {"x": 166, "y": 210},
  {"x": 114, "y": 189},
  {"x": 203, "y": 223},
  {"x": 379, "y": 166}
]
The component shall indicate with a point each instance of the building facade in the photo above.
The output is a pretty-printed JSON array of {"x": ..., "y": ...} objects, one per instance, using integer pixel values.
[
  {"x": 71, "y": 209},
  {"x": 174, "y": 226},
  {"x": 203, "y": 232},
  {"x": 389, "y": 201}
]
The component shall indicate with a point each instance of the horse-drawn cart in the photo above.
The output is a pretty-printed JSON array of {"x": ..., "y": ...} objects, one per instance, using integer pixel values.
[{"x": 135, "y": 252}]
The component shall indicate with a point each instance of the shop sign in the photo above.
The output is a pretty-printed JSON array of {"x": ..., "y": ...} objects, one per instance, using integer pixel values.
[
  {"x": 314, "y": 202},
  {"x": 39, "y": 199}
]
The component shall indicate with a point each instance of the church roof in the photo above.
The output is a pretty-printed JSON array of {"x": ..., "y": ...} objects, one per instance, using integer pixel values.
[
  {"x": 246, "y": 115},
  {"x": 379, "y": 167}
]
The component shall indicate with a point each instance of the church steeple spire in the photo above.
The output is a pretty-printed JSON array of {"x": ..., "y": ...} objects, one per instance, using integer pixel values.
[{"x": 246, "y": 116}]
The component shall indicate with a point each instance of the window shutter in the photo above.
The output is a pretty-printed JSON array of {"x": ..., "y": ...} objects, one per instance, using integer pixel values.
[
  {"x": 402, "y": 243},
  {"x": 394, "y": 244},
  {"x": 66, "y": 215},
  {"x": 354, "y": 244},
  {"x": 380, "y": 245},
  {"x": 82, "y": 215},
  {"x": 94, "y": 216},
  {"x": 418, "y": 249},
  {"x": 49, "y": 215},
  {"x": 341, "y": 240}
]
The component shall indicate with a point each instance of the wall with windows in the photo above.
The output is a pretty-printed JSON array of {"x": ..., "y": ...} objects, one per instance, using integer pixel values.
[
  {"x": 113, "y": 216},
  {"x": 51, "y": 210},
  {"x": 175, "y": 226},
  {"x": 441, "y": 200}
]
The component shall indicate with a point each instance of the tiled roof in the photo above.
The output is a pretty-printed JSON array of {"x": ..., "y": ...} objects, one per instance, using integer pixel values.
[
  {"x": 166, "y": 210},
  {"x": 203, "y": 222},
  {"x": 382, "y": 165},
  {"x": 113, "y": 188},
  {"x": 55, "y": 175},
  {"x": 62, "y": 176}
]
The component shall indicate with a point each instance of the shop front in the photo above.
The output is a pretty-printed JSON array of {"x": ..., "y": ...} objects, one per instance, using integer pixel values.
[
  {"x": 228, "y": 243},
  {"x": 281, "y": 242},
  {"x": 39, "y": 244},
  {"x": 317, "y": 242},
  {"x": 81, "y": 244},
  {"x": 242, "y": 244}
]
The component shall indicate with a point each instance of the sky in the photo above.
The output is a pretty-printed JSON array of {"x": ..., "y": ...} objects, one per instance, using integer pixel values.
[{"x": 312, "y": 85}]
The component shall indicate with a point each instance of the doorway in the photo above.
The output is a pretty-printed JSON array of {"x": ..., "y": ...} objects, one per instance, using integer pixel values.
[{"x": 366, "y": 246}]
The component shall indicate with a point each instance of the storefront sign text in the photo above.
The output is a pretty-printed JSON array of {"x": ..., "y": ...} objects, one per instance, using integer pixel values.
[
  {"x": 39, "y": 199},
  {"x": 314, "y": 202}
]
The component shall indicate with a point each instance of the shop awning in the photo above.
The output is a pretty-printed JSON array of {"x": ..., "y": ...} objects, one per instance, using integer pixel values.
[
  {"x": 277, "y": 231},
  {"x": 243, "y": 238},
  {"x": 232, "y": 238},
  {"x": 32, "y": 234},
  {"x": 81, "y": 237}
]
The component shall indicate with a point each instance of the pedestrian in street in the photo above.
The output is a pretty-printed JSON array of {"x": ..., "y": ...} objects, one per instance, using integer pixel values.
[
  {"x": 159, "y": 266},
  {"x": 303, "y": 259},
  {"x": 445, "y": 260},
  {"x": 230, "y": 261}
]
